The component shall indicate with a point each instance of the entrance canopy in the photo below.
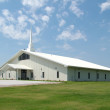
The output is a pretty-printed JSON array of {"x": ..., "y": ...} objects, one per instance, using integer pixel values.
[{"x": 17, "y": 66}]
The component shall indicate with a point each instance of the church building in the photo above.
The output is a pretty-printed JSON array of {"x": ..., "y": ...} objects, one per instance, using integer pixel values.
[{"x": 31, "y": 65}]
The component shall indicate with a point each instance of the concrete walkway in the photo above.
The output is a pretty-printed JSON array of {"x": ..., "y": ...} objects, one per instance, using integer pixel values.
[{"x": 9, "y": 83}]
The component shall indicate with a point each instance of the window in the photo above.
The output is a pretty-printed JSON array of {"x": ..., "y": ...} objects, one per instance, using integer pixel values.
[
  {"x": 78, "y": 75},
  {"x": 97, "y": 75},
  {"x": 105, "y": 76},
  {"x": 9, "y": 75},
  {"x": 31, "y": 74},
  {"x": 42, "y": 74},
  {"x": 88, "y": 75},
  {"x": 2, "y": 75},
  {"x": 24, "y": 57},
  {"x": 57, "y": 74}
]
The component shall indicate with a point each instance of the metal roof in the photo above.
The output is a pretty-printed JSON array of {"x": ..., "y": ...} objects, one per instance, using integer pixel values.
[
  {"x": 66, "y": 61},
  {"x": 17, "y": 66},
  {"x": 69, "y": 62}
]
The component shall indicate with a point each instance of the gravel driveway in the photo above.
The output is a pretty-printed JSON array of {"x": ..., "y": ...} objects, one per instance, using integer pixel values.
[{"x": 9, "y": 83}]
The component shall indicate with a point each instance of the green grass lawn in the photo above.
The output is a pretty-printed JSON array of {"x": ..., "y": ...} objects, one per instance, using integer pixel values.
[{"x": 65, "y": 96}]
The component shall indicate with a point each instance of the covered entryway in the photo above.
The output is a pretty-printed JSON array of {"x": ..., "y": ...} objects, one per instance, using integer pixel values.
[{"x": 18, "y": 72}]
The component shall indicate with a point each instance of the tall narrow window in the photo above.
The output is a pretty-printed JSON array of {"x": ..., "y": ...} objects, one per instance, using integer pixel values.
[
  {"x": 78, "y": 75},
  {"x": 2, "y": 75},
  {"x": 9, "y": 75},
  {"x": 105, "y": 76},
  {"x": 57, "y": 74},
  {"x": 97, "y": 75},
  {"x": 88, "y": 75},
  {"x": 31, "y": 74},
  {"x": 43, "y": 75}
]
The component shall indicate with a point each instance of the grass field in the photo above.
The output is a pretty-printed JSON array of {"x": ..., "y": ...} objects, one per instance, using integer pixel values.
[{"x": 65, "y": 96}]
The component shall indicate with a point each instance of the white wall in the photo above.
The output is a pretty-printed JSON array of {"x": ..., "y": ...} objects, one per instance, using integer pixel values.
[
  {"x": 40, "y": 65},
  {"x": 50, "y": 69},
  {"x": 6, "y": 74},
  {"x": 73, "y": 74}
]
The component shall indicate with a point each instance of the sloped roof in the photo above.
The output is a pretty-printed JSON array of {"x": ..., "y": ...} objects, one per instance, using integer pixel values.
[
  {"x": 66, "y": 61},
  {"x": 17, "y": 66},
  {"x": 69, "y": 62}
]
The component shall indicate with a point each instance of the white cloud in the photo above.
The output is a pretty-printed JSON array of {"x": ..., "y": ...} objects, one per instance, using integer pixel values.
[
  {"x": 74, "y": 6},
  {"x": 8, "y": 15},
  {"x": 16, "y": 27},
  {"x": 22, "y": 19},
  {"x": 34, "y": 16},
  {"x": 20, "y": 12},
  {"x": 3, "y": 0},
  {"x": 31, "y": 21},
  {"x": 62, "y": 22},
  {"x": 11, "y": 32},
  {"x": 105, "y": 6},
  {"x": 2, "y": 21},
  {"x": 66, "y": 47},
  {"x": 49, "y": 10},
  {"x": 65, "y": 13},
  {"x": 34, "y": 4},
  {"x": 65, "y": 2},
  {"x": 71, "y": 27},
  {"x": 75, "y": 9},
  {"x": 5, "y": 12},
  {"x": 70, "y": 34},
  {"x": 37, "y": 30},
  {"x": 45, "y": 18}
]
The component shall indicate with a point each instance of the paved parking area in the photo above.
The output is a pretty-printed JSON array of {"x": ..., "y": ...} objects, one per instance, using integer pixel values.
[{"x": 9, "y": 83}]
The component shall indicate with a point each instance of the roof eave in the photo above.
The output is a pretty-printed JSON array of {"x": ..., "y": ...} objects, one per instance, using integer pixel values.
[{"x": 89, "y": 68}]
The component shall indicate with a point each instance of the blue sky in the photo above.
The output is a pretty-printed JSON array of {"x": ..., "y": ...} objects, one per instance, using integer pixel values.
[{"x": 73, "y": 28}]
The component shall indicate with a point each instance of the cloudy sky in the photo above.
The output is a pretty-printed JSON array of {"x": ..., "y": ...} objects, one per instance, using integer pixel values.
[{"x": 73, "y": 28}]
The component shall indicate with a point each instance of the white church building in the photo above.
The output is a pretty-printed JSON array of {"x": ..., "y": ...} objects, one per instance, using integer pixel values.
[{"x": 31, "y": 65}]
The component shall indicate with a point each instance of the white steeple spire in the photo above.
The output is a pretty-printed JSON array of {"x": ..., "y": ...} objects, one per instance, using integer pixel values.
[{"x": 30, "y": 45}]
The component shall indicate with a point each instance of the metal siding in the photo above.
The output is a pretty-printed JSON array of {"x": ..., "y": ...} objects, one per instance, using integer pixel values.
[
  {"x": 47, "y": 66},
  {"x": 73, "y": 72}
]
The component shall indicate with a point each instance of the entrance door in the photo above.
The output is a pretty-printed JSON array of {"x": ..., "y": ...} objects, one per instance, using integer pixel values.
[{"x": 23, "y": 74}]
